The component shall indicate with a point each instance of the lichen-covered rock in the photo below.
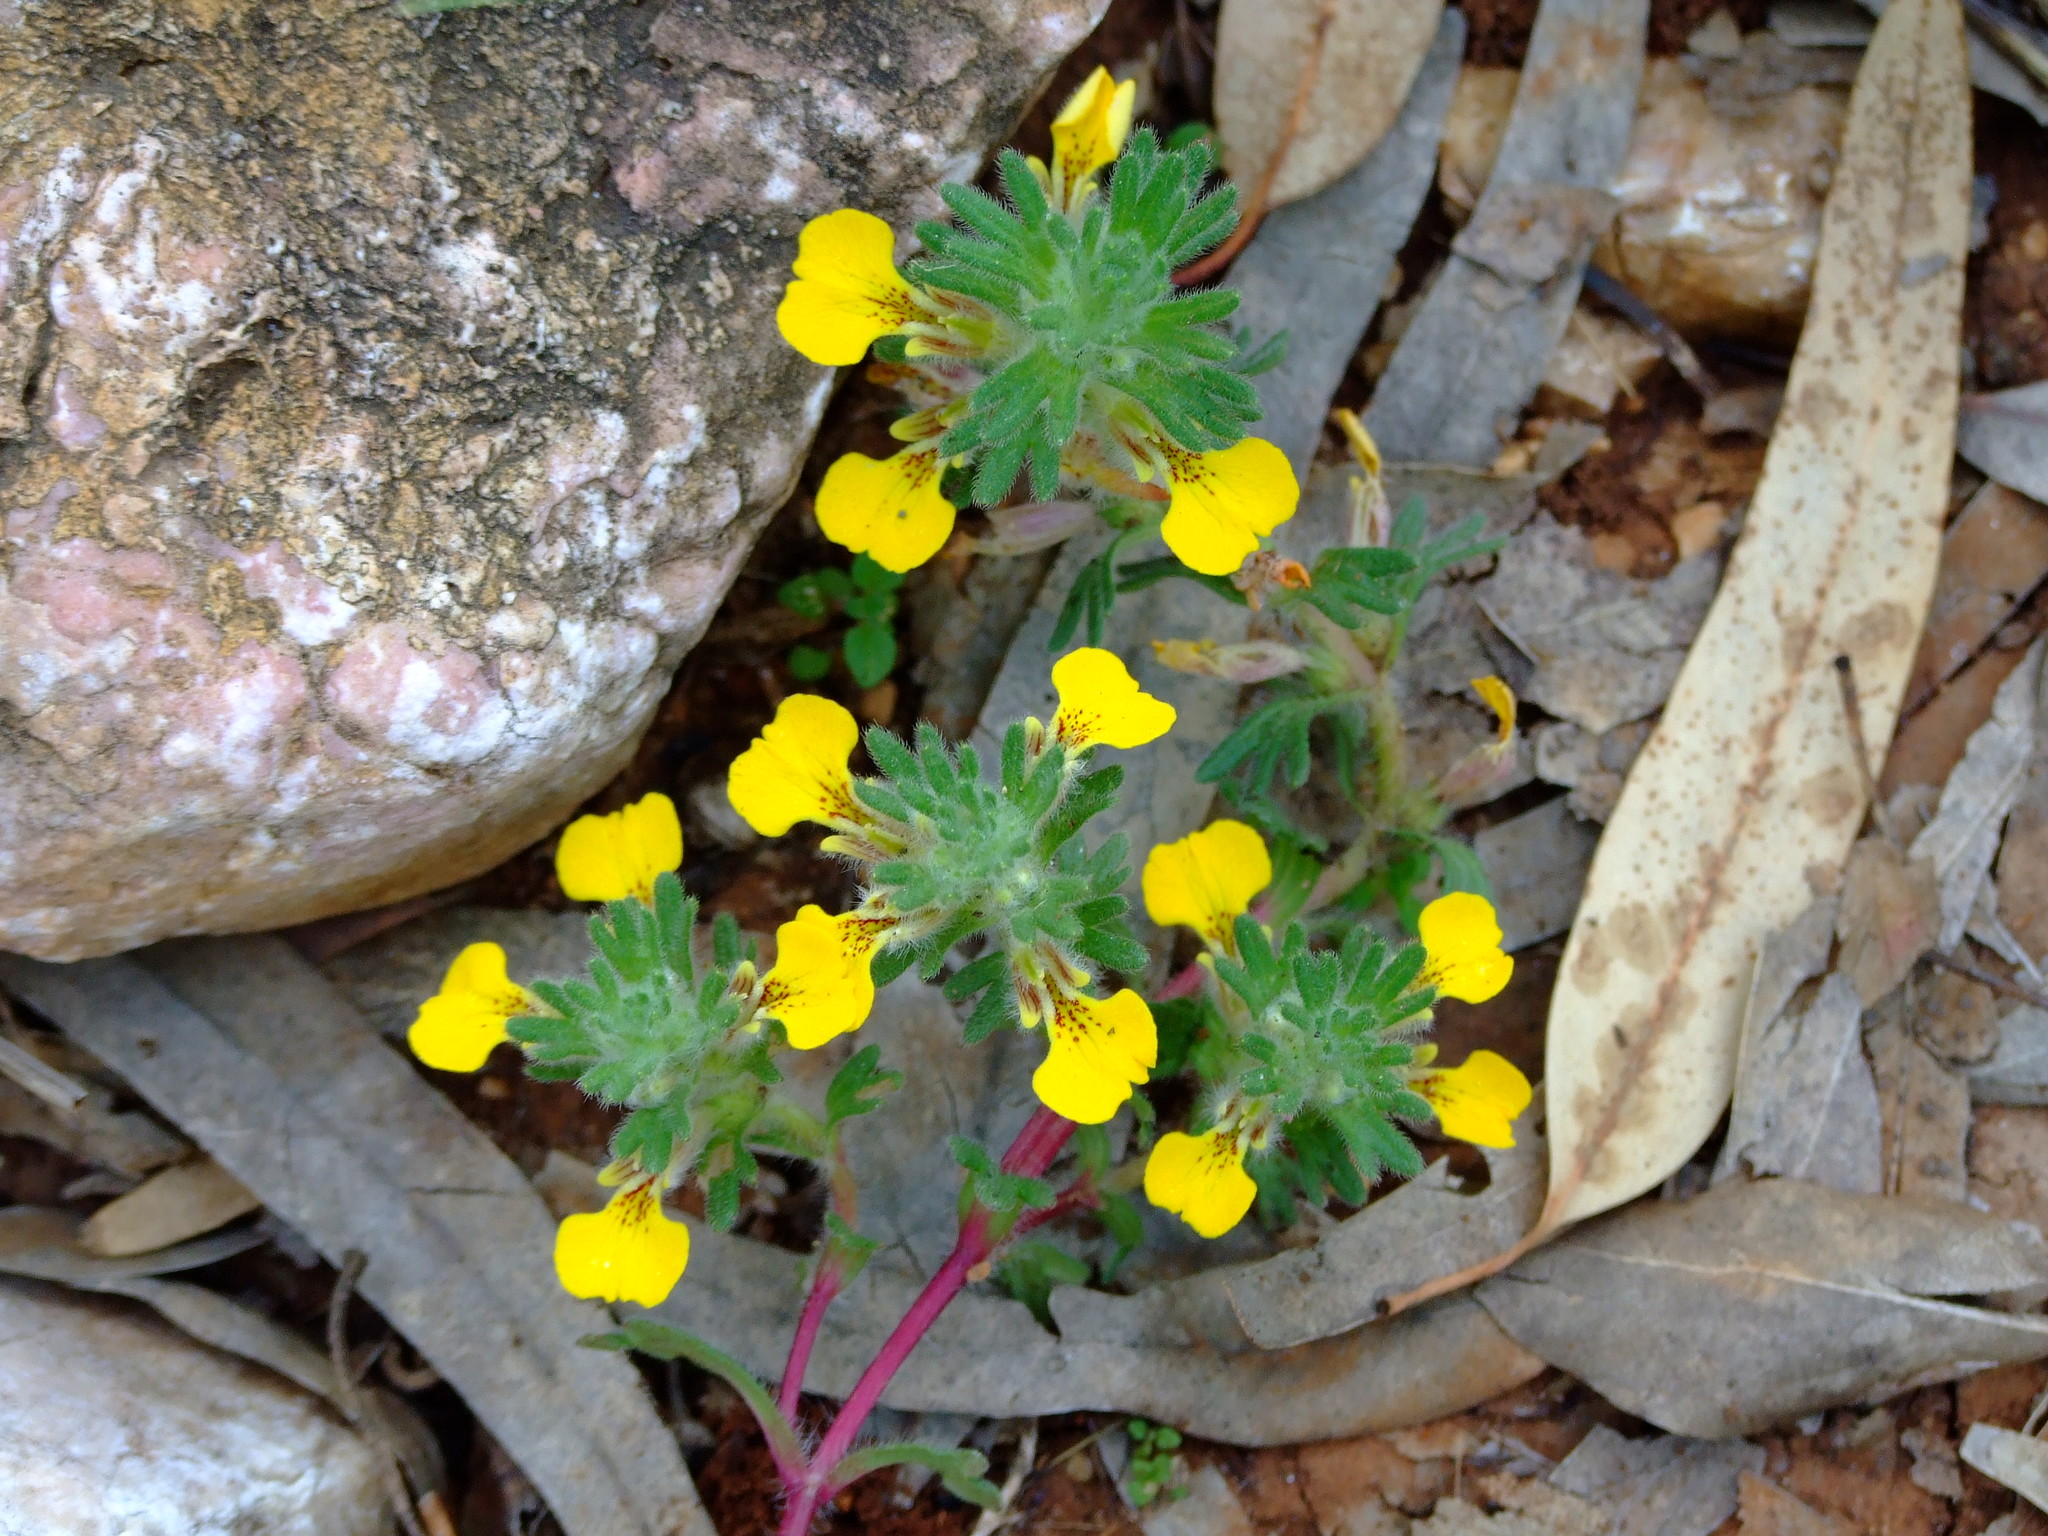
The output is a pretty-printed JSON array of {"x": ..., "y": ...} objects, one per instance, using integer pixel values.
[{"x": 385, "y": 405}]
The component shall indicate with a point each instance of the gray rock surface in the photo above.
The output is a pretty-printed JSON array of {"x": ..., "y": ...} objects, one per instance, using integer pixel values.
[
  {"x": 386, "y": 404},
  {"x": 114, "y": 1424}
]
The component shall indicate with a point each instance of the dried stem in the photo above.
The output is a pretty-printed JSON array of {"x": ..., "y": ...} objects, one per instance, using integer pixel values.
[
  {"x": 348, "y": 1393},
  {"x": 1852, "y": 716}
]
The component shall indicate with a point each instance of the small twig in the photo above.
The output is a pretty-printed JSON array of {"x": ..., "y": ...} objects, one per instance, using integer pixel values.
[
  {"x": 1999, "y": 984},
  {"x": 993, "y": 1520},
  {"x": 1205, "y": 267},
  {"x": 1612, "y": 292},
  {"x": 407, "y": 1378},
  {"x": 1852, "y": 716},
  {"x": 63, "y": 1094},
  {"x": 348, "y": 1393}
]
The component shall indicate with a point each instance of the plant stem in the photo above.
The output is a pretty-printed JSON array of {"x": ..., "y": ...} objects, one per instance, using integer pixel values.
[
  {"x": 824, "y": 1290},
  {"x": 1037, "y": 1144}
]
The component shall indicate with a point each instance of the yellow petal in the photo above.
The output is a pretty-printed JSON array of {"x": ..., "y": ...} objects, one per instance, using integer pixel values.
[
  {"x": 457, "y": 1028},
  {"x": 1462, "y": 937},
  {"x": 1477, "y": 1100},
  {"x": 887, "y": 509},
  {"x": 1500, "y": 698},
  {"x": 1225, "y": 501},
  {"x": 821, "y": 986},
  {"x": 629, "y": 1251},
  {"x": 847, "y": 291},
  {"x": 1092, "y": 126},
  {"x": 607, "y": 858},
  {"x": 796, "y": 769},
  {"x": 1100, "y": 702},
  {"x": 1207, "y": 879},
  {"x": 1095, "y": 1051},
  {"x": 1201, "y": 1179}
]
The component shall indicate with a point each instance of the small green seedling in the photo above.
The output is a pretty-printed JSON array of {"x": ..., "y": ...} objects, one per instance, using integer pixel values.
[
  {"x": 1151, "y": 1474},
  {"x": 866, "y": 594}
]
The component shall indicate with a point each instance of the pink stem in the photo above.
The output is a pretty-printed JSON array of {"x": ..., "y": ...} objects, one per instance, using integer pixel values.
[
  {"x": 1186, "y": 984},
  {"x": 824, "y": 1290},
  {"x": 1030, "y": 1154}
]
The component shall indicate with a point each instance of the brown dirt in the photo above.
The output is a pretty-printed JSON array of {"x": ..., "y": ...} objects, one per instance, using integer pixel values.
[{"x": 2006, "y": 314}]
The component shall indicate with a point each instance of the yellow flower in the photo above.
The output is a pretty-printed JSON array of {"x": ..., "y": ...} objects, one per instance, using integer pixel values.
[
  {"x": 1463, "y": 941},
  {"x": 605, "y": 858},
  {"x": 821, "y": 986},
  {"x": 1477, "y": 1101},
  {"x": 1207, "y": 880},
  {"x": 1201, "y": 1179},
  {"x": 1483, "y": 773},
  {"x": 1096, "y": 1048},
  {"x": 629, "y": 1251},
  {"x": 1224, "y": 502},
  {"x": 1101, "y": 703},
  {"x": 887, "y": 509},
  {"x": 1092, "y": 126},
  {"x": 457, "y": 1027},
  {"x": 847, "y": 291},
  {"x": 796, "y": 769}
]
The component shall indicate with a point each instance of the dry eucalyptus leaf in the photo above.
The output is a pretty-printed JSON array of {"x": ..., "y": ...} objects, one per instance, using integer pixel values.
[
  {"x": 1537, "y": 862},
  {"x": 1123, "y": 1354},
  {"x": 1806, "y": 1105},
  {"x": 1962, "y": 839},
  {"x": 1890, "y": 916},
  {"x": 2006, "y": 1456},
  {"x": 2017, "y": 1072},
  {"x": 1476, "y": 351},
  {"x": 180, "y": 1202},
  {"x": 1925, "y": 1106},
  {"x": 2005, "y": 434},
  {"x": 1993, "y": 555},
  {"x": 1422, "y": 1230},
  {"x": 1747, "y": 784},
  {"x": 1318, "y": 268},
  {"x": 1364, "y": 58},
  {"x": 248, "y": 1048},
  {"x": 1756, "y": 1303},
  {"x": 1669, "y": 1485}
]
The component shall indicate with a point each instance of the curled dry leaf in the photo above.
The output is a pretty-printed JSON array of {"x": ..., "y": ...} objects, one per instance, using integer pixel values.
[
  {"x": 2016, "y": 1460},
  {"x": 1357, "y": 63},
  {"x": 1748, "y": 783},
  {"x": 1811, "y": 1297},
  {"x": 1890, "y": 916}
]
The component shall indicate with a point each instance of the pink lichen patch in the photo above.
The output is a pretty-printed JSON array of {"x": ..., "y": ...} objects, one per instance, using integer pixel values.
[{"x": 436, "y": 709}]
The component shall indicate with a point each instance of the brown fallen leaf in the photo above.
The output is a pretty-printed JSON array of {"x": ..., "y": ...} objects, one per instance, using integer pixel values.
[
  {"x": 183, "y": 1201},
  {"x": 1890, "y": 916},
  {"x": 1755, "y": 1303},
  {"x": 1363, "y": 60},
  {"x": 1993, "y": 555},
  {"x": 1926, "y": 1109},
  {"x": 1747, "y": 783},
  {"x": 1765, "y": 1509},
  {"x": 1667, "y": 1485}
]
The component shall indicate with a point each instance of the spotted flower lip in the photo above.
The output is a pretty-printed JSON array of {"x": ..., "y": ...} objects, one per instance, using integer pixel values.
[
  {"x": 1207, "y": 880},
  {"x": 1478, "y": 1100},
  {"x": 629, "y": 1251},
  {"x": 610, "y": 857},
  {"x": 1097, "y": 1049},
  {"x": 1201, "y": 1179},
  {"x": 1102, "y": 704},
  {"x": 821, "y": 986},
  {"x": 796, "y": 768},
  {"x": 1224, "y": 501},
  {"x": 890, "y": 510},
  {"x": 458, "y": 1027},
  {"x": 847, "y": 293},
  {"x": 1462, "y": 938},
  {"x": 1091, "y": 128}
]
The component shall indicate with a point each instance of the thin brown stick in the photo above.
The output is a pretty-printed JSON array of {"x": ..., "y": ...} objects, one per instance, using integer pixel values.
[
  {"x": 349, "y": 1393},
  {"x": 1205, "y": 267},
  {"x": 1852, "y": 716}
]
